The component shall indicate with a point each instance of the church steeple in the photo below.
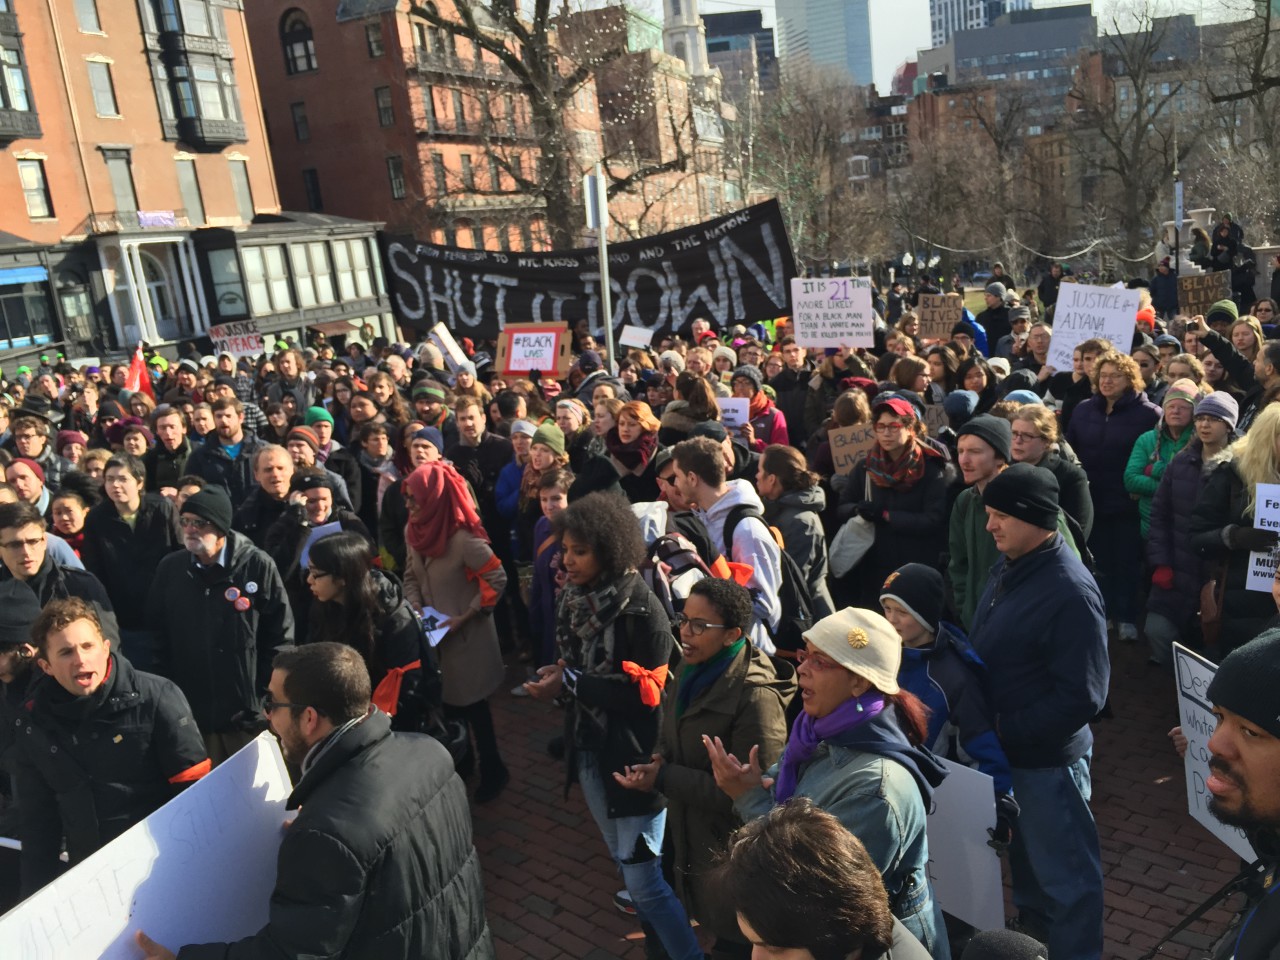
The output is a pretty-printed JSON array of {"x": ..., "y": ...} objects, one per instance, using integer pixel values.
[{"x": 685, "y": 36}]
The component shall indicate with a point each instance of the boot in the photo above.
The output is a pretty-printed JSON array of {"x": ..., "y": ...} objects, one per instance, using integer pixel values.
[{"x": 493, "y": 772}]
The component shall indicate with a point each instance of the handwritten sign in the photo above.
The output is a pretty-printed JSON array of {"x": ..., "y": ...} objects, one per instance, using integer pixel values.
[
  {"x": 633, "y": 336},
  {"x": 935, "y": 418},
  {"x": 240, "y": 339},
  {"x": 1266, "y": 516},
  {"x": 454, "y": 355},
  {"x": 734, "y": 412},
  {"x": 832, "y": 312},
  {"x": 1086, "y": 312},
  {"x": 524, "y": 347},
  {"x": 938, "y": 315},
  {"x": 200, "y": 869},
  {"x": 1197, "y": 293},
  {"x": 1193, "y": 673},
  {"x": 964, "y": 871},
  {"x": 849, "y": 445}
]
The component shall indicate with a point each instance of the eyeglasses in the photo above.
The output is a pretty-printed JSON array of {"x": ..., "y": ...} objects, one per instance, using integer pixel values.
[
  {"x": 816, "y": 661},
  {"x": 30, "y": 543},
  {"x": 892, "y": 427},
  {"x": 1110, "y": 377},
  {"x": 193, "y": 523},
  {"x": 1026, "y": 437},
  {"x": 314, "y": 574},
  {"x": 269, "y": 706},
  {"x": 696, "y": 627}
]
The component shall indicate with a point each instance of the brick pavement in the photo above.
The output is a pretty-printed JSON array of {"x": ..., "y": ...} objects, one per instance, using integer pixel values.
[{"x": 550, "y": 883}]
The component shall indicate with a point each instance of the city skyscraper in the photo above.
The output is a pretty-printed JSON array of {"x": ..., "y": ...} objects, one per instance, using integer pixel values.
[
  {"x": 948, "y": 16},
  {"x": 826, "y": 34}
]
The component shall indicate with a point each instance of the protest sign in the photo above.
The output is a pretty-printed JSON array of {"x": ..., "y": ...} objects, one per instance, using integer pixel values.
[
  {"x": 1197, "y": 293},
  {"x": 200, "y": 869},
  {"x": 240, "y": 339},
  {"x": 525, "y": 347},
  {"x": 733, "y": 269},
  {"x": 733, "y": 412},
  {"x": 1266, "y": 516},
  {"x": 1084, "y": 313},
  {"x": 938, "y": 315},
  {"x": 1195, "y": 714},
  {"x": 633, "y": 336},
  {"x": 432, "y": 620},
  {"x": 832, "y": 312},
  {"x": 849, "y": 445},
  {"x": 965, "y": 872},
  {"x": 935, "y": 418},
  {"x": 454, "y": 355}
]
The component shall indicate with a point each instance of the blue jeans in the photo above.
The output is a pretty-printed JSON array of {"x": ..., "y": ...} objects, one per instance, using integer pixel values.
[
  {"x": 635, "y": 843},
  {"x": 1057, "y": 870}
]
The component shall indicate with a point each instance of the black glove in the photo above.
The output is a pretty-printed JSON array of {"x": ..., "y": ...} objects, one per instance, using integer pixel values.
[
  {"x": 867, "y": 510},
  {"x": 1001, "y": 835},
  {"x": 1247, "y": 538}
]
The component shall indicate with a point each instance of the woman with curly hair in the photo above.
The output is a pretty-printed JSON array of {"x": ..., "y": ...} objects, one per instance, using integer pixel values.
[
  {"x": 615, "y": 644},
  {"x": 1103, "y": 431},
  {"x": 631, "y": 444},
  {"x": 388, "y": 399}
]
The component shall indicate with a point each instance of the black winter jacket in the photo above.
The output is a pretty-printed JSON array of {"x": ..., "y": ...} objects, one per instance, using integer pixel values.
[
  {"x": 89, "y": 768},
  {"x": 256, "y": 515},
  {"x": 379, "y": 864},
  {"x": 792, "y": 388},
  {"x": 218, "y": 653},
  {"x": 52, "y": 582},
  {"x": 122, "y": 556},
  {"x": 1169, "y": 540},
  {"x": 210, "y": 460},
  {"x": 166, "y": 467}
]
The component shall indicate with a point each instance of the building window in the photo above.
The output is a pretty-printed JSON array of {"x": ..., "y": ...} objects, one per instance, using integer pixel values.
[
  {"x": 299, "y": 44},
  {"x": 312, "y": 274},
  {"x": 35, "y": 188},
  {"x": 395, "y": 173},
  {"x": 13, "y": 82},
  {"x": 351, "y": 262},
  {"x": 209, "y": 89},
  {"x": 120, "y": 171},
  {"x": 386, "y": 112},
  {"x": 301, "y": 129},
  {"x": 25, "y": 317},
  {"x": 87, "y": 16},
  {"x": 440, "y": 173},
  {"x": 311, "y": 185},
  {"x": 268, "y": 280},
  {"x": 459, "y": 114},
  {"x": 495, "y": 173},
  {"x": 468, "y": 172},
  {"x": 189, "y": 186},
  {"x": 195, "y": 18},
  {"x": 104, "y": 92},
  {"x": 240, "y": 187},
  {"x": 373, "y": 39}
]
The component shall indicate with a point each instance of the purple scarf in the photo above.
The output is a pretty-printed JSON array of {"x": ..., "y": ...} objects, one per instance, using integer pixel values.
[{"x": 807, "y": 733}]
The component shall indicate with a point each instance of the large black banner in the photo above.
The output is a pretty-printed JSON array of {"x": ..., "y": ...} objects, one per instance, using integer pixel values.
[{"x": 734, "y": 269}]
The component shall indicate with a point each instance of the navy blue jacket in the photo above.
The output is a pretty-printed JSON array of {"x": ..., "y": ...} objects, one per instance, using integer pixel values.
[
  {"x": 1103, "y": 443},
  {"x": 1041, "y": 629}
]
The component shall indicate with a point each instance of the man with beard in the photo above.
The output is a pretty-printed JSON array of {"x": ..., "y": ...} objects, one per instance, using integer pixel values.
[
  {"x": 1244, "y": 780},
  {"x": 380, "y": 861},
  {"x": 226, "y": 457}
]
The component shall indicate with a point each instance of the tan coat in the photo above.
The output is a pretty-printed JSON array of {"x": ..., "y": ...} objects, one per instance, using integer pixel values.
[
  {"x": 466, "y": 577},
  {"x": 745, "y": 707}
]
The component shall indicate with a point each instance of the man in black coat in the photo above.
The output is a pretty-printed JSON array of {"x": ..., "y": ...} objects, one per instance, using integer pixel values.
[
  {"x": 792, "y": 388},
  {"x": 995, "y": 319},
  {"x": 273, "y": 471},
  {"x": 226, "y": 456},
  {"x": 100, "y": 746},
  {"x": 166, "y": 462},
  {"x": 380, "y": 861},
  {"x": 219, "y": 611}
]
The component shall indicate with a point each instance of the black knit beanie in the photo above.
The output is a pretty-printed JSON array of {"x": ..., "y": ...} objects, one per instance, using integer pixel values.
[
  {"x": 996, "y": 432},
  {"x": 1025, "y": 492},
  {"x": 918, "y": 589},
  {"x": 1248, "y": 682},
  {"x": 211, "y": 504}
]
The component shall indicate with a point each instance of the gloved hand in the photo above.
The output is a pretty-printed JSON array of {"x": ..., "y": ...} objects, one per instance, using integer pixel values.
[
  {"x": 867, "y": 510},
  {"x": 1162, "y": 577},
  {"x": 1001, "y": 835},
  {"x": 1247, "y": 538}
]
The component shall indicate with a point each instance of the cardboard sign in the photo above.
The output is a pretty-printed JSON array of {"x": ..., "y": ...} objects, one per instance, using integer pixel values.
[
  {"x": 633, "y": 336},
  {"x": 965, "y": 872},
  {"x": 240, "y": 339},
  {"x": 832, "y": 312},
  {"x": 938, "y": 315},
  {"x": 1193, "y": 673},
  {"x": 1086, "y": 312},
  {"x": 734, "y": 412},
  {"x": 849, "y": 445},
  {"x": 454, "y": 355},
  {"x": 525, "y": 347},
  {"x": 1196, "y": 294},
  {"x": 1266, "y": 516},
  {"x": 200, "y": 869},
  {"x": 935, "y": 418}
]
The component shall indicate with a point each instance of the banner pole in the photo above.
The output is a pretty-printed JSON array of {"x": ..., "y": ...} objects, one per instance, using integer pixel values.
[{"x": 602, "y": 247}]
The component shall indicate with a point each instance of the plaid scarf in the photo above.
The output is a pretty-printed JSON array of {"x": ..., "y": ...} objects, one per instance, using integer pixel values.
[{"x": 903, "y": 473}]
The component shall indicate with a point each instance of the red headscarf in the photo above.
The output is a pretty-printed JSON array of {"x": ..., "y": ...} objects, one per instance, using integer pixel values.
[{"x": 445, "y": 507}]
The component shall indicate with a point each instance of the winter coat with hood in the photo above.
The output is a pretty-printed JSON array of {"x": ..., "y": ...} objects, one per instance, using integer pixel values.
[
  {"x": 754, "y": 546},
  {"x": 880, "y": 788},
  {"x": 1151, "y": 456},
  {"x": 744, "y": 707},
  {"x": 594, "y": 379},
  {"x": 1169, "y": 539},
  {"x": 798, "y": 516},
  {"x": 89, "y": 768},
  {"x": 1104, "y": 441},
  {"x": 217, "y": 648},
  {"x": 379, "y": 861},
  {"x": 676, "y": 423},
  {"x": 118, "y": 553}
]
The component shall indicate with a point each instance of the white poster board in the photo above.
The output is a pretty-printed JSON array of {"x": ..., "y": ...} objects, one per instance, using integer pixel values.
[
  {"x": 633, "y": 336},
  {"x": 198, "y": 870},
  {"x": 1085, "y": 312},
  {"x": 533, "y": 350},
  {"x": 832, "y": 312},
  {"x": 734, "y": 412},
  {"x": 454, "y": 356},
  {"x": 240, "y": 339},
  {"x": 965, "y": 872},
  {"x": 1266, "y": 516},
  {"x": 1193, "y": 673}
]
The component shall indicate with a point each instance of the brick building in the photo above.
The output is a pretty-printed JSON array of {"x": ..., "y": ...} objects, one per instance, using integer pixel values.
[{"x": 137, "y": 198}]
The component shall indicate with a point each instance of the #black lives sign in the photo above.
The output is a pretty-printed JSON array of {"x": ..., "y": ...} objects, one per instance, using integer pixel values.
[{"x": 733, "y": 269}]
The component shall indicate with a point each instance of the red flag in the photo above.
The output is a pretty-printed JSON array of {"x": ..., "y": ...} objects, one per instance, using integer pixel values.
[{"x": 139, "y": 378}]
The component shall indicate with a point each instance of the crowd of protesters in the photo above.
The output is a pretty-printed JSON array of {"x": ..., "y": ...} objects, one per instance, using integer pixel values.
[{"x": 728, "y": 622}]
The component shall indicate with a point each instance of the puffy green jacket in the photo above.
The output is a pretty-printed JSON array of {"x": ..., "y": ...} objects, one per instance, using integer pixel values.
[{"x": 1152, "y": 452}]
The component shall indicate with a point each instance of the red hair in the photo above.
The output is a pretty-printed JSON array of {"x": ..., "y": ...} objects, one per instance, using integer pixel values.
[{"x": 640, "y": 412}]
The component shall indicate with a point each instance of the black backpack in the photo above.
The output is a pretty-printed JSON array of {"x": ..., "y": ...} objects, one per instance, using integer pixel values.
[{"x": 794, "y": 593}]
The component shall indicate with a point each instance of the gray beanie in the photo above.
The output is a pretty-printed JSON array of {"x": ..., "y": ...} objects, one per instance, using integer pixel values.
[
  {"x": 749, "y": 372},
  {"x": 1219, "y": 404}
]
